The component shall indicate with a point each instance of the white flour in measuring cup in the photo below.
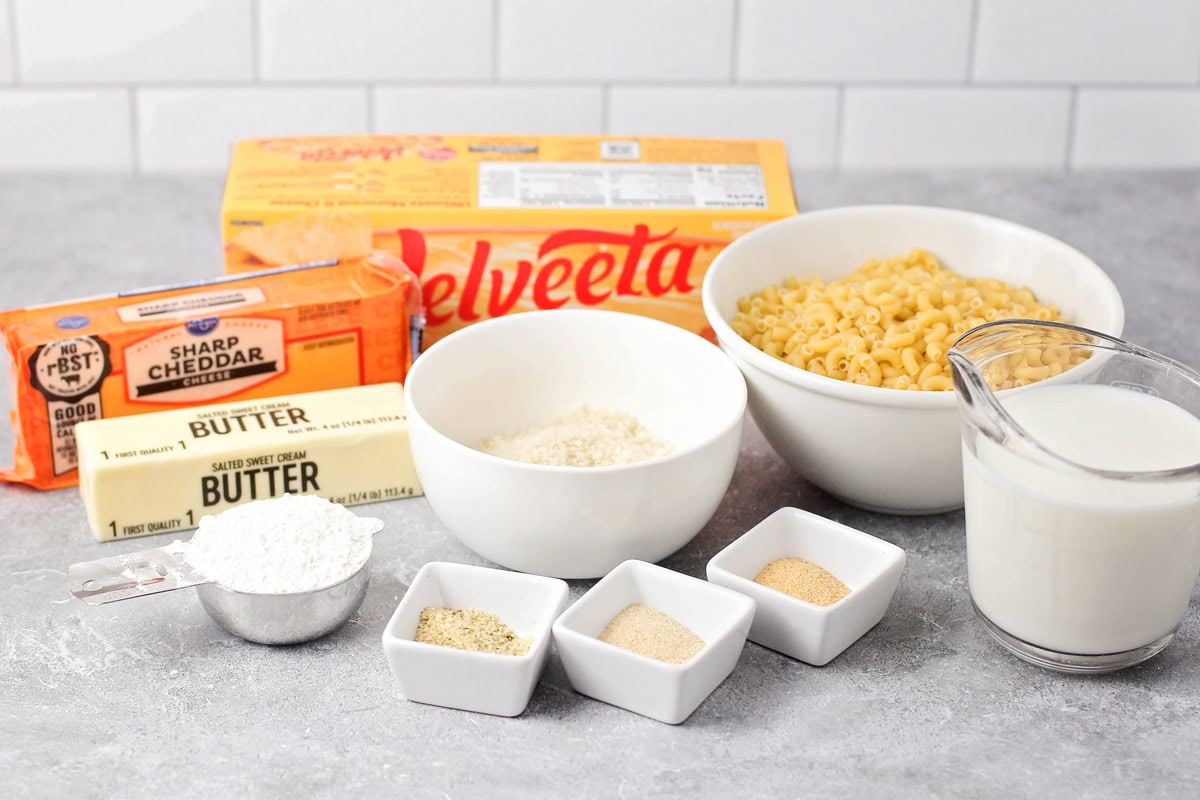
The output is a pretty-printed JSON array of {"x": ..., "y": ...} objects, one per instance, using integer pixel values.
[{"x": 293, "y": 543}]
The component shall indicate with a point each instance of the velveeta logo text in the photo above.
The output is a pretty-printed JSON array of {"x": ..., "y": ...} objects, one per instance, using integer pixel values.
[{"x": 577, "y": 266}]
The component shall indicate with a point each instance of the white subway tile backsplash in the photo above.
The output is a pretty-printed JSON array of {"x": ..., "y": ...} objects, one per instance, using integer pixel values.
[
  {"x": 6, "y": 48},
  {"x": 616, "y": 40},
  {"x": 805, "y": 119},
  {"x": 167, "y": 85},
  {"x": 898, "y": 128},
  {"x": 376, "y": 39},
  {"x": 489, "y": 109},
  {"x": 1137, "y": 129},
  {"x": 1082, "y": 41},
  {"x": 191, "y": 130},
  {"x": 65, "y": 130},
  {"x": 142, "y": 41},
  {"x": 854, "y": 40}
]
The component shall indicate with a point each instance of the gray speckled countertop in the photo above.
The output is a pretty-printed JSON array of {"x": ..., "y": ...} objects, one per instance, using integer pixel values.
[{"x": 150, "y": 698}]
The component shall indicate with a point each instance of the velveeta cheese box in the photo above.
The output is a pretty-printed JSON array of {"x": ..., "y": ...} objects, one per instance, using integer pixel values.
[
  {"x": 498, "y": 224},
  {"x": 234, "y": 339}
]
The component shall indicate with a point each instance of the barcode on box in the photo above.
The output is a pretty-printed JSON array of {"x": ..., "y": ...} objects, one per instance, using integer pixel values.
[{"x": 620, "y": 151}]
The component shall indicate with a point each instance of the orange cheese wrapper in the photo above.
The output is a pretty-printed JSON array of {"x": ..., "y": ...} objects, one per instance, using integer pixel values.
[{"x": 275, "y": 332}]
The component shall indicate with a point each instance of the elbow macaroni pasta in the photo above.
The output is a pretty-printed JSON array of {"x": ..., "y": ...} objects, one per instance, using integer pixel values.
[{"x": 890, "y": 323}]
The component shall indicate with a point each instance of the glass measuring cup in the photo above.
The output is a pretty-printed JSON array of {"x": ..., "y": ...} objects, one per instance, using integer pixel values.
[{"x": 1081, "y": 474}]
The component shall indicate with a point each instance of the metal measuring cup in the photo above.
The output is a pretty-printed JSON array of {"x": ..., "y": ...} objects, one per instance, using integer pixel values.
[{"x": 274, "y": 618}]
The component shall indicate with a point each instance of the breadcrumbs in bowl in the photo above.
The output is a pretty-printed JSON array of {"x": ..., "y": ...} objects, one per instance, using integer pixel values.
[
  {"x": 640, "y": 420},
  {"x": 879, "y": 448},
  {"x": 582, "y": 437}
]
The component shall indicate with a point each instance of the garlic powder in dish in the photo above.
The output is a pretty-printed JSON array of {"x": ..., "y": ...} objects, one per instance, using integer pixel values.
[{"x": 293, "y": 543}]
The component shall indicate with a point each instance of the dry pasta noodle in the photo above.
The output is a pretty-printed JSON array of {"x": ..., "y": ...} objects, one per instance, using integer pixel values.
[
  {"x": 891, "y": 322},
  {"x": 1042, "y": 355}
]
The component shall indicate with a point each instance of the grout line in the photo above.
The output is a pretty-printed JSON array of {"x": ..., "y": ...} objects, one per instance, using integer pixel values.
[
  {"x": 202, "y": 85},
  {"x": 13, "y": 41},
  {"x": 972, "y": 36},
  {"x": 255, "y": 43},
  {"x": 735, "y": 30},
  {"x": 839, "y": 125},
  {"x": 495, "y": 41},
  {"x": 1072, "y": 122},
  {"x": 542, "y": 83},
  {"x": 135, "y": 138}
]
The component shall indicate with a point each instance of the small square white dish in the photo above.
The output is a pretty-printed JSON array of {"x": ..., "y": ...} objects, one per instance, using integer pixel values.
[
  {"x": 489, "y": 683},
  {"x": 869, "y": 566},
  {"x": 657, "y": 689}
]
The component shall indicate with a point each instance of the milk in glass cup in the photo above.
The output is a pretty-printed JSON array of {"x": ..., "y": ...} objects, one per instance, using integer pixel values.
[{"x": 1081, "y": 471}]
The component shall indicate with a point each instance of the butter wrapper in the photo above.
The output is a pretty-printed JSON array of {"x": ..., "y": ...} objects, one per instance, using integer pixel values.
[{"x": 162, "y": 472}]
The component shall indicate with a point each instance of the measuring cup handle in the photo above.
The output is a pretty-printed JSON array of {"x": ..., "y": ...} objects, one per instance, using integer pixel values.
[{"x": 107, "y": 580}]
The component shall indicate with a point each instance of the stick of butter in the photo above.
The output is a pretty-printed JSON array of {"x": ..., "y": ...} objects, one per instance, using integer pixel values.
[{"x": 161, "y": 472}]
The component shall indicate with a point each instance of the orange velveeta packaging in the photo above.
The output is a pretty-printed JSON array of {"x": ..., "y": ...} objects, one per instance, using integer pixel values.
[
  {"x": 496, "y": 224},
  {"x": 276, "y": 332}
]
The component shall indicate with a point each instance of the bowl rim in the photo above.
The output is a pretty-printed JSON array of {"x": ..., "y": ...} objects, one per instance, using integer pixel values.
[
  {"x": 483, "y": 327},
  {"x": 742, "y": 352}
]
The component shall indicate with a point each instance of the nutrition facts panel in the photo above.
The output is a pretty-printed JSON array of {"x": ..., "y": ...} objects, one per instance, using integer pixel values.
[{"x": 594, "y": 185}]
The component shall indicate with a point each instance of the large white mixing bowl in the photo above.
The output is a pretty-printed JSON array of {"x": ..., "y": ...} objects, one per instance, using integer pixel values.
[
  {"x": 884, "y": 449},
  {"x": 510, "y": 373}
]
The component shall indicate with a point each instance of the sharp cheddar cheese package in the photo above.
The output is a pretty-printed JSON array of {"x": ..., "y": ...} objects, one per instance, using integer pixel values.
[
  {"x": 496, "y": 224},
  {"x": 277, "y": 332}
]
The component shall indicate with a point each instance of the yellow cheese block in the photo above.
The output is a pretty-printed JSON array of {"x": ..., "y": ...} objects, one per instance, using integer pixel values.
[{"x": 161, "y": 472}]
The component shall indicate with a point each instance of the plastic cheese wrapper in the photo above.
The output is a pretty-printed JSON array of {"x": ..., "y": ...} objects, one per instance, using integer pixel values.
[{"x": 284, "y": 331}]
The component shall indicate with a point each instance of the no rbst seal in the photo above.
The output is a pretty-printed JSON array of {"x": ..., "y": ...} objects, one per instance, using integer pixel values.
[{"x": 70, "y": 369}]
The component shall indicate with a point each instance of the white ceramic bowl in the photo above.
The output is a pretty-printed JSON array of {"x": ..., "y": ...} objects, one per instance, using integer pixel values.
[
  {"x": 509, "y": 373},
  {"x": 489, "y": 683},
  {"x": 884, "y": 449},
  {"x": 869, "y": 566},
  {"x": 657, "y": 689}
]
